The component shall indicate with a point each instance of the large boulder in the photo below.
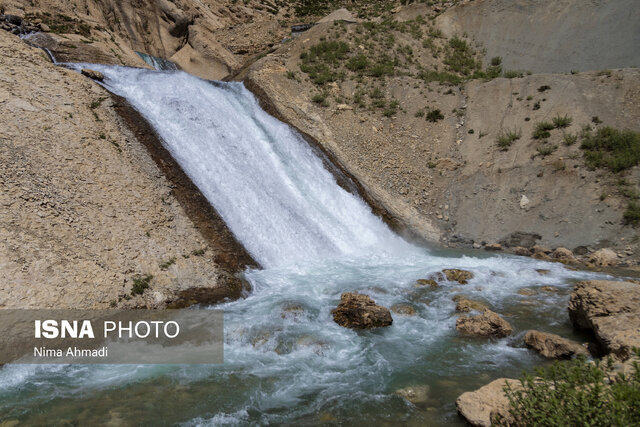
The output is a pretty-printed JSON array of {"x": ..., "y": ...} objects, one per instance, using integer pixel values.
[
  {"x": 359, "y": 311},
  {"x": 603, "y": 258},
  {"x": 487, "y": 324},
  {"x": 611, "y": 310},
  {"x": 553, "y": 346},
  {"x": 486, "y": 405}
]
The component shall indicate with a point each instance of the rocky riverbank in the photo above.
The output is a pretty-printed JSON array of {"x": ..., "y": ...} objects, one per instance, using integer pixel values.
[
  {"x": 610, "y": 311},
  {"x": 89, "y": 219}
]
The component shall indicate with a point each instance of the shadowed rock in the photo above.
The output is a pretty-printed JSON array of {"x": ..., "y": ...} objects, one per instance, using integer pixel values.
[
  {"x": 359, "y": 311},
  {"x": 553, "y": 346},
  {"x": 611, "y": 310},
  {"x": 92, "y": 74}
]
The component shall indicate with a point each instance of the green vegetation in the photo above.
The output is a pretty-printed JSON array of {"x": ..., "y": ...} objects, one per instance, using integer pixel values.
[
  {"x": 611, "y": 148},
  {"x": 562, "y": 121},
  {"x": 165, "y": 265},
  {"x": 460, "y": 58},
  {"x": 546, "y": 149},
  {"x": 576, "y": 393},
  {"x": 62, "y": 24},
  {"x": 569, "y": 139},
  {"x": 507, "y": 137},
  {"x": 140, "y": 284},
  {"x": 544, "y": 88},
  {"x": 632, "y": 213},
  {"x": 434, "y": 115},
  {"x": 542, "y": 130},
  {"x": 320, "y": 98}
]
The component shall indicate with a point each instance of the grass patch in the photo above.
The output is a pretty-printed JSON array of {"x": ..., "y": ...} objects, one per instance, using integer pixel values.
[
  {"x": 168, "y": 263},
  {"x": 542, "y": 130},
  {"x": 569, "y": 139},
  {"x": 140, "y": 284},
  {"x": 546, "y": 149},
  {"x": 576, "y": 393},
  {"x": 611, "y": 148},
  {"x": 507, "y": 137},
  {"x": 434, "y": 115},
  {"x": 562, "y": 121},
  {"x": 631, "y": 215}
]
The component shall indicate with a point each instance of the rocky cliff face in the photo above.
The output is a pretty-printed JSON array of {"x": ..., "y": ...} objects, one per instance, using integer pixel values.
[
  {"x": 87, "y": 217},
  {"x": 211, "y": 39},
  {"x": 444, "y": 175}
]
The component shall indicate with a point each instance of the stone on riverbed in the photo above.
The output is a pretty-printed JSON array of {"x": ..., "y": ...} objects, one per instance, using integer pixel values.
[
  {"x": 414, "y": 394},
  {"x": 460, "y": 276},
  {"x": 487, "y": 324},
  {"x": 486, "y": 405},
  {"x": 553, "y": 346},
  {"x": 359, "y": 311},
  {"x": 465, "y": 305},
  {"x": 403, "y": 309}
]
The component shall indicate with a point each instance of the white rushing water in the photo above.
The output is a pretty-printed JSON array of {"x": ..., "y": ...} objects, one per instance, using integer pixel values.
[{"x": 286, "y": 361}]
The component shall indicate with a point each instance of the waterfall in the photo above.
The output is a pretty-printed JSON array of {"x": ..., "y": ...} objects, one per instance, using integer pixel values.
[
  {"x": 266, "y": 182},
  {"x": 158, "y": 63}
]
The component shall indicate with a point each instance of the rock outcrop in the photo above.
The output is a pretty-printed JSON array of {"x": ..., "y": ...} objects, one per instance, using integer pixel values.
[
  {"x": 553, "y": 346},
  {"x": 93, "y": 74},
  {"x": 359, "y": 311},
  {"x": 487, "y": 324},
  {"x": 611, "y": 310},
  {"x": 484, "y": 406}
]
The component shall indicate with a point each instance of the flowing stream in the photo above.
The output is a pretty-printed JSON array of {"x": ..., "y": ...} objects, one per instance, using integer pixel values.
[{"x": 286, "y": 361}]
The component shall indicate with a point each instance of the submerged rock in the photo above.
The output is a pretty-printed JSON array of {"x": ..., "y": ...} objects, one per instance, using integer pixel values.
[
  {"x": 528, "y": 292},
  {"x": 553, "y": 346},
  {"x": 488, "y": 404},
  {"x": 487, "y": 324},
  {"x": 460, "y": 276},
  {"x": 465, "y": 305},
  {"x": 611, "y": 310},
  {"x": 92, "y": 74},
  {"x": 414, "y": 394},
  {"x": 403, "y": 309},
  {"x": 426, "y": 282},
  {"x": 359, "y": 311}
]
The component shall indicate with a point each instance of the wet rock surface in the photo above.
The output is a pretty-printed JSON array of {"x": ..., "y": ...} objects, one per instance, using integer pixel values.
[
  {"x": 92, "y": 74},
  {"x": 611, "y": 310},
  {"x": 484, "y": 406},
  {"x": 487, "y": 324},
  {"x": 359, "y": 311},
  {"x": 553, "y": 346},
  {"x": 456, "y": 275}
]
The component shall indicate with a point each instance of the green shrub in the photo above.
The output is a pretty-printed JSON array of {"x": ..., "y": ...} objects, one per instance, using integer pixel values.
[
  {"x": 357, "y": 63},
  {"x": 544, "y": 88},
  {"x": 610, "y": 148},
  {"x": 510, "y": 74},
  {"x": 442, "y": 77},
  {"x": 569, "y": 139},
  {"x": 460, "y": 57},
  {"x": 576, "y": 393},
  {"x": 165, "y": 265},
  {"x": 140, "y": 284},
  {"x": 542, "y": 130},
  {"x": 546, "y": 149},
  {"x": 434, "y": 115},
  {"x": 506, "y": 138},
  {"x": 632, "y": 213},
  {"x": 562, "y": 121}
]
